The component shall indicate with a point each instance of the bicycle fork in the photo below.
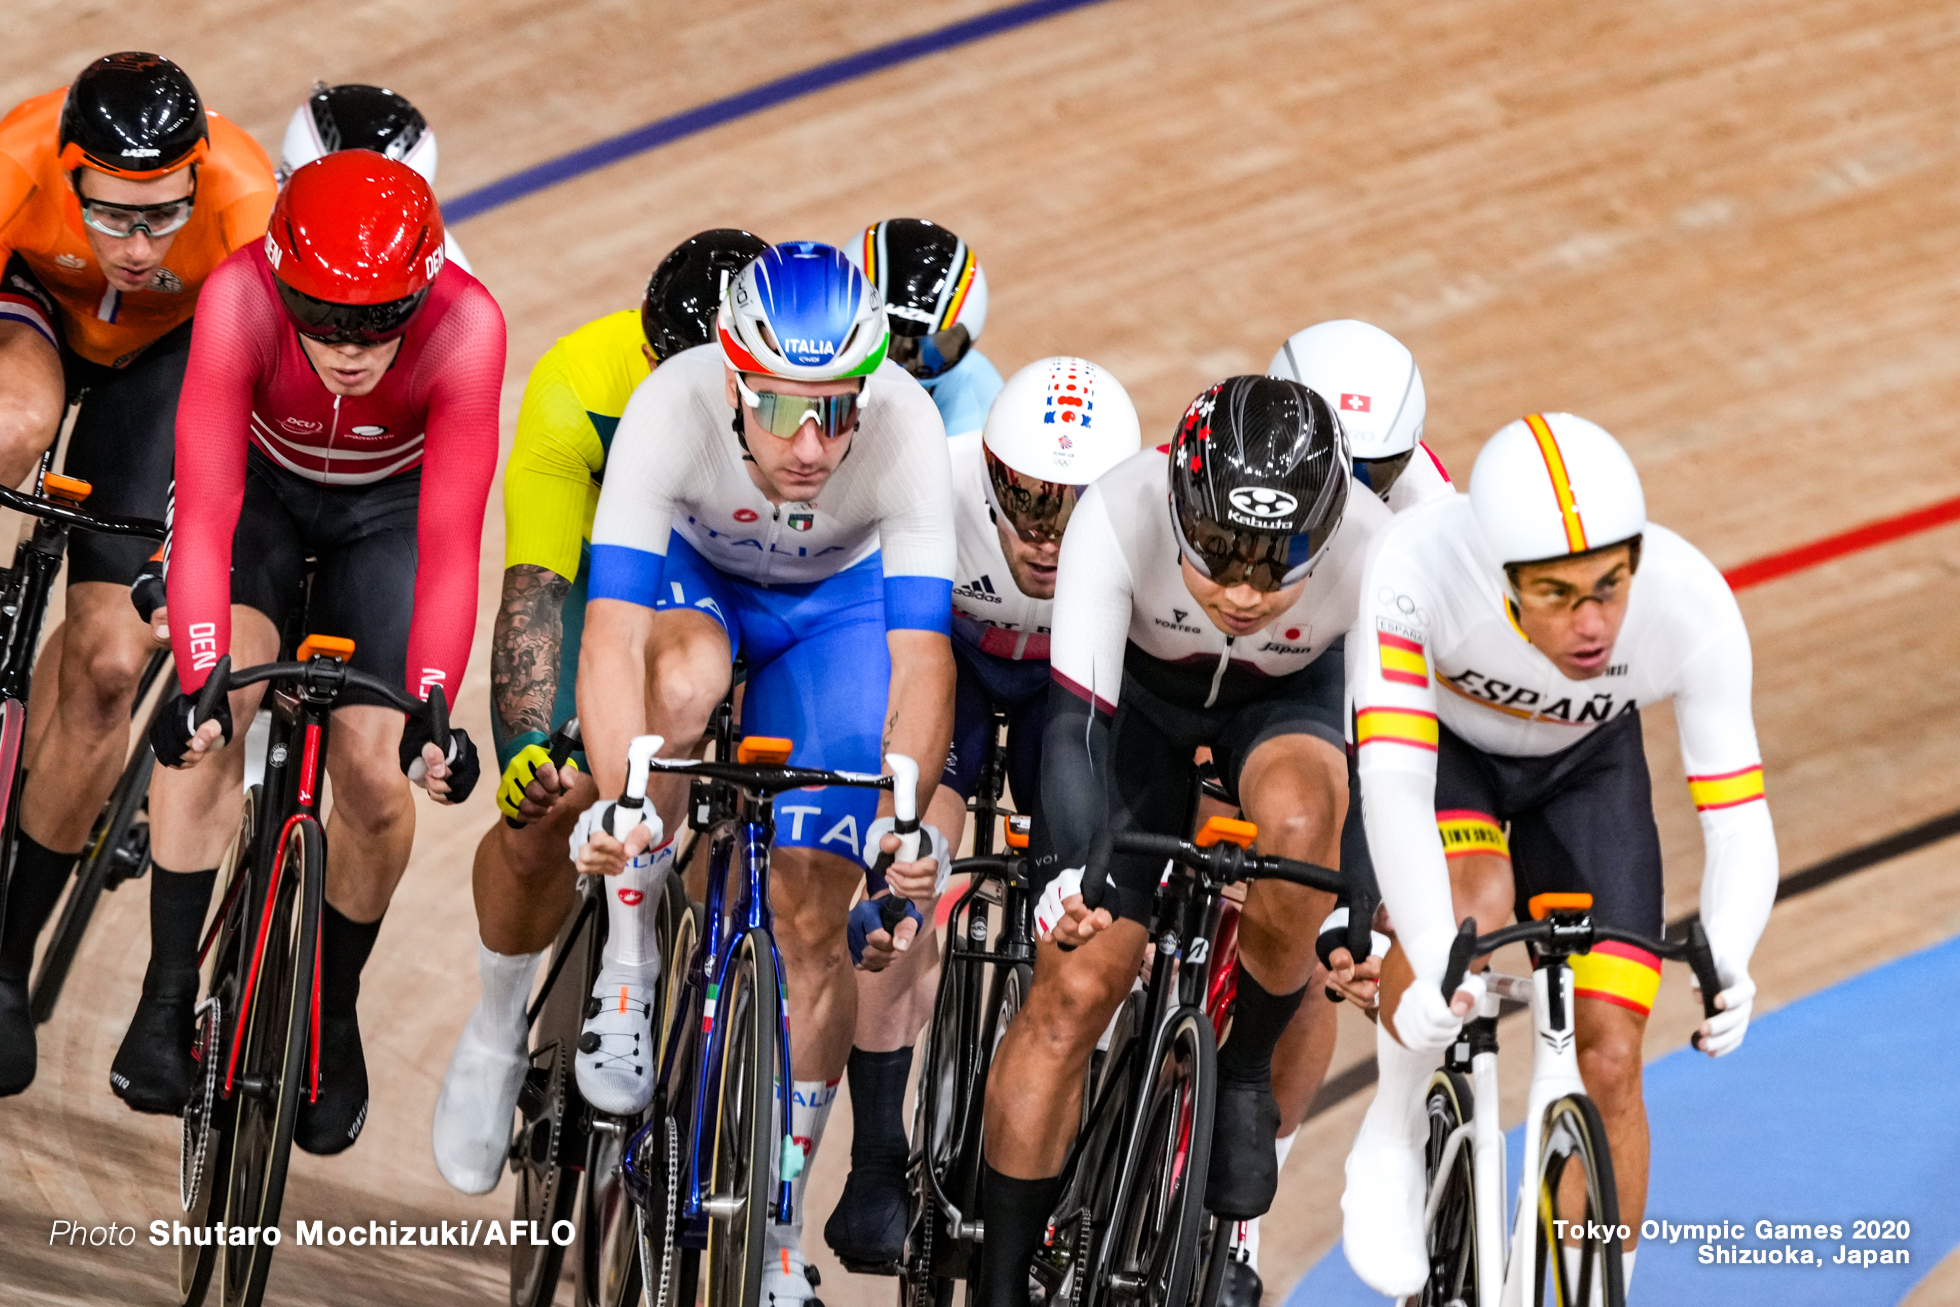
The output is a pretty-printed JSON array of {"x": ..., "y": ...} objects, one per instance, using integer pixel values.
[{"x": 1554, "y": 1074}]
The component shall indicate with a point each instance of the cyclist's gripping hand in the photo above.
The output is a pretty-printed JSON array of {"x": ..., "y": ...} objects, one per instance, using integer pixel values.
[
  {"x": 147, "y": 593},
  {"x": 532, "y": 785},
  {"x": 1360, "y": 983},
  {"x": 448, "y": 780},
  {"x": 1723, "y": 1032},
  {"x": 177, "y": 743},
  {"x": 1060, "y": 914},
  {"x": 874, "y": 945},
  {"x": 921, "y": 879},
  {"x": 598, "y": 852}
]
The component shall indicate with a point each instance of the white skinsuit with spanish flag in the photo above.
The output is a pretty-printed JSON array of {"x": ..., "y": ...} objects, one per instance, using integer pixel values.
[{"x": 1436, "y": 641}]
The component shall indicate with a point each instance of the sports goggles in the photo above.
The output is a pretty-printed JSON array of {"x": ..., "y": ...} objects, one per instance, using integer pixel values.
[
  {"x": 1036, "y": 511},
  {"x": 784, "y": 415},
  {"x": 1264, "y": 560},
  {"x": 349, "y": 324},
  {"x": 152, "y": 220},
  {"x": 1378, "y": 474},
  {"x": 927, "y": 356}
]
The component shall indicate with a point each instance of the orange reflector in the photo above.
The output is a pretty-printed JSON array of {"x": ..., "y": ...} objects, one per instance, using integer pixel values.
[
  {"x": 336, "y": 647},
  {"x": 69, "y": 490},
  {"x": 1018, "y": 826},
  {"x": 763, "y": 748},
  {"x": 1226, "y": 830},
  {"x": 1542, "y": 904}
]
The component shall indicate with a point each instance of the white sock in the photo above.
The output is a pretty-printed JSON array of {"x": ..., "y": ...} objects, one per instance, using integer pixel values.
[
  {"x": 1397, "y": 1114},
  {"x": 498, "y": 1020},
  {"x": 1626, "y": 1270},
  {"x": 809, "y": 1112},
  {"x": 1284, "y": 1145},
  {"x": 632, "y": 908}
]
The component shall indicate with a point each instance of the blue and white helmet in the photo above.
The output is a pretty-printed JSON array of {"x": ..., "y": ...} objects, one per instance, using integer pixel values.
[{"x": 802, "y": 311}]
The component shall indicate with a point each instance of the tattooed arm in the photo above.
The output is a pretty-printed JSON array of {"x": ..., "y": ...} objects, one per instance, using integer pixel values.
[{"x": 524, "y": 652}]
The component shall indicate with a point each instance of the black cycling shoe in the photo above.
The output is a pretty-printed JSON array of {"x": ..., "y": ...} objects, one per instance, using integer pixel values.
[
  {"x": 1242, "y": 1287},
  {"x": 1244, "y": 1169},
  {"x": 867, "y": 1229},
  {"x": 18, "y": 1056},
  {"x": 332, "y": 1124},
  {"x": 154, "y": 1069}
]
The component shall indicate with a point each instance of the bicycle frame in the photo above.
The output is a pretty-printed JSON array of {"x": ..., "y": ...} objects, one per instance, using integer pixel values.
[{"x": 1506, "y": 1264}]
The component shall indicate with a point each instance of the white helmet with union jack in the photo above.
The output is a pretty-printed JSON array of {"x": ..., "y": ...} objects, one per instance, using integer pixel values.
[{"x": 1551, "y": 485}]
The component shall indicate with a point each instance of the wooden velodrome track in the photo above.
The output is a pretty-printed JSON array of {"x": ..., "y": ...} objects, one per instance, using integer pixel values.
[{"x": 1726, "y": 231}]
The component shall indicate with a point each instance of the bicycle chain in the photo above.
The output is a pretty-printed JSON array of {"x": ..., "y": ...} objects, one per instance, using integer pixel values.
[
  {"x": 190, "y": 1187},
  {"x": 667, "y": 1244}
]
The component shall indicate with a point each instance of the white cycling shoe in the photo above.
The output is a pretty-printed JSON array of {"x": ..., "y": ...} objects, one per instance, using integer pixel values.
[
  {"x": 1381, "y": 1209},
  {"x": 785, "y": 1273},
  {"x": 473, "y": 1111},
  {"x": 615, "y": 1049}
]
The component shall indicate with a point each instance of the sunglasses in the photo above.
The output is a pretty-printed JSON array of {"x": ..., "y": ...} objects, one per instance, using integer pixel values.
[
  {"x": 152, "y": 220},
  {"x": 784, "y": 415},
  {"x": 349, "y": 324},
  {"x": 1263, "y": 560},
  {"x": 930, "y": 355}
]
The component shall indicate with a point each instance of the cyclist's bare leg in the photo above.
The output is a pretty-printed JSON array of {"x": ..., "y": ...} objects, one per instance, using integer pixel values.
[
  {"x": 523, "y": 882},
  {"x": 43, "y": 692},
  {"x": 811, "y": 893},
  {"x": 33, "y": 399},
  {"x": 1609, "y": 1062},
  {"x": 1034, "y": 1093},
  {"x": 86, "y": 741},
  {"x": 372, "y": 822}
]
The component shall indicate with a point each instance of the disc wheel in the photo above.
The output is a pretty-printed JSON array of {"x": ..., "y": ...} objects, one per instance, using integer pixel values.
[
  {"x": 545, "y": 1147},
  {"x": 204, "y": 1162},
  {"x": 748, "y": 1011},
  {"x": 1452, "y": 1235},
  {"x": 609, "y": 1261},
  {"x": 1154, "y": 1246},
  {"x": 1575, "y": 1183},
  {"x": 273, "y": 1061}
]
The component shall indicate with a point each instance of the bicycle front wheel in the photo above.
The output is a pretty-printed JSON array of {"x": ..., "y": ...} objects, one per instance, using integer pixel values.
[
  {"x": 1155, "y": 1236},
  {"x": 1450, "y": 1186},
  {"x": 1575, "y": 1184},
  {"x": 273, "y": 1063},
  {"x": 748, "y": 1013}
]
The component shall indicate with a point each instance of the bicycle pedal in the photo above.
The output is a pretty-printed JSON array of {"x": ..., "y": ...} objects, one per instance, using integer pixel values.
[{"x": 856, "y": 1267}]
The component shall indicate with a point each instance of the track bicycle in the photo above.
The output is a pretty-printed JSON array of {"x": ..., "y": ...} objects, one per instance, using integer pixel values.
[
  {"x": 565, "y": 1153},
  {"x": 1566, "y": 1156},
  {"x": 55, "y": 504},
  {"x": 255, "y": 1037},
  {"x": 700, "y": 1170},
  {"x": 1128, "y": 1229},
  {"x": 984, "y": 976}
]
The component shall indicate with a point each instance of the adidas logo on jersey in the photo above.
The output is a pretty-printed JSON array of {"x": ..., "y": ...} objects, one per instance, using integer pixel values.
[{"x": 982, "y": 590}]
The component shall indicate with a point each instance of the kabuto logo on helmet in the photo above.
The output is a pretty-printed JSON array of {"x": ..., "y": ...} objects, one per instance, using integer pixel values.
[{"x": 1263, "y": 504}]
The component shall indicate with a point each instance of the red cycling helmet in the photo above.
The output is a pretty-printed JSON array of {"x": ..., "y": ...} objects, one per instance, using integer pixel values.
[{"x": 355, "y": 240}]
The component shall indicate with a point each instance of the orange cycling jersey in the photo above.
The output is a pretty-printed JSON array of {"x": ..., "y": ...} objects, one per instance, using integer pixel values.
[{"x": 41, "y": 220}]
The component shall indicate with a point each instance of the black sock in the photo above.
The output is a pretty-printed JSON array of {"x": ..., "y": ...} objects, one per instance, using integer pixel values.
[
  {"x": 878, "y": 1107},
  {"x": 1016, "y": 1214},
  {"x": 178, "y": 902},
  {"x": 1259, "y": 1018},
  {"x": 32, "y": 891},
  {"x": 344, "y": 949}
]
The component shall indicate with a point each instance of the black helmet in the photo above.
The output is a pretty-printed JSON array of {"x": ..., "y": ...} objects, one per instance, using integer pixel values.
[
  {"x": 935, "y": 292},
  {"x": 1259, "y": 477},
  {"x": 357, "y": 117},
  {"x": 684, "y": 293},
  {"x": 134, "y": 115}
]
